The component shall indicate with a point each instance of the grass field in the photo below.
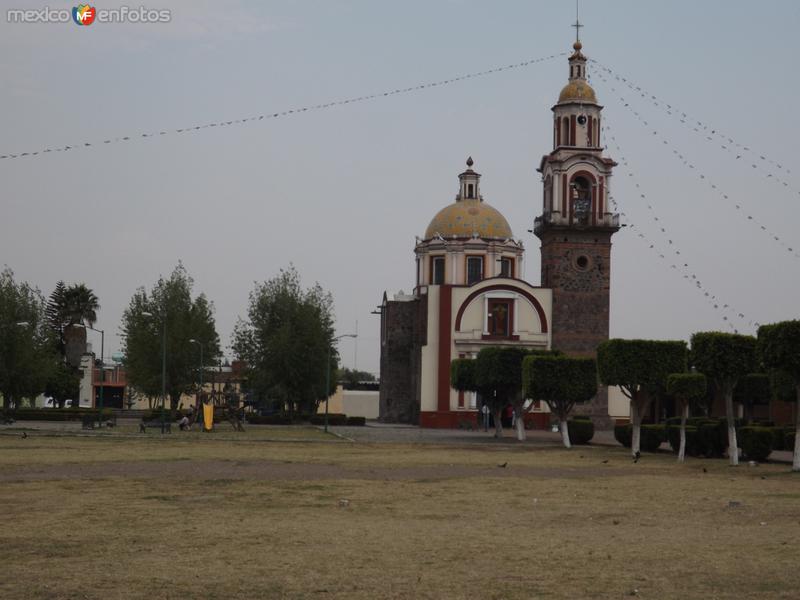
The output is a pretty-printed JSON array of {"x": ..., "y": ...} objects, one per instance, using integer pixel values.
[{"x": 210, "y": 517}]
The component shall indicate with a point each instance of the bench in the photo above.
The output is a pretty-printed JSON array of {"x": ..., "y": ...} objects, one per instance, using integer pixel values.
[{"x": 155, "y": 425}]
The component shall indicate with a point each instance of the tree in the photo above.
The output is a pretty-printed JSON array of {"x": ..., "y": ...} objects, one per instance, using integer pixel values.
[
  {"x": 640, "y": 369},
  {"x": 688, "y": 389},
  {"x": 169, "y": 305},
  {"x": 498, "y": 375},
  {"x": 753, "y": 389},
  {"x": 779, "y": 349},
  {"x": 725, "y": 358},
  {"x": 350, "y": 378},
  {"x": 286, "y": 342},
  {"x": 63, "y": 383},
  {"x": 26, "y": 344},
  {"x": 562, "y": 382}
]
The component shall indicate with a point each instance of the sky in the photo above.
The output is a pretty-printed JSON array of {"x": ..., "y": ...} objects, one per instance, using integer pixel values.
[{"x": 340, "y": 193}]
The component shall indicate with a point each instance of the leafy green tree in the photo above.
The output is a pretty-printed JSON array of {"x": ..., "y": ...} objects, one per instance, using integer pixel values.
[
  {"x": 688, "y": 389},
  {"x": 640, "y": 369},
  {"x": 350, "y": 378},
  {"x": 498, "y": 375},
  {"x": 286, "y": 341},
  {"x": 725, "y": 358},
  {"x": 168, "y": 307},
  {"x": 779, "y": 349},
  {"x": 27, "y": 353},
  {"x": 63, "y": 383},
  {"x": 562, "y": 382},
  {"x": 753, "y": 389}
]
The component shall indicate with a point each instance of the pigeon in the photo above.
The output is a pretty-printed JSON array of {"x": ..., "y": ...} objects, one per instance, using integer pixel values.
[
  {"x": 24, "y": 435},
  {"x": 504, "y": 465},
  {"x": 705, "y": 470},
  {"x": 637, "y": 456},
  {"x": 605, "y": 462}
]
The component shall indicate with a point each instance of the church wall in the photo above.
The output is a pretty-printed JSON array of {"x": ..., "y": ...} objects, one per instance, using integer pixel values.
[{"x": 430, "y": 353}]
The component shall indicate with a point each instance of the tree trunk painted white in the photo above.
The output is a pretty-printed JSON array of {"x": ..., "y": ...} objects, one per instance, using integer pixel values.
[
  {"x": 796, "y": 457},
  {"x": 682, "y": 449},
  {"x": 562, "y": 425},
  {"x": 733, "y": 445},
  {"x": 498, "y": 425},
  {"x": 520, "y": 426},
  {"x": 636, "y": 419}
]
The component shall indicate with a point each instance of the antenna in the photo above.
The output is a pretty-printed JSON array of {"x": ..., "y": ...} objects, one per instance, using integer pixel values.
[{"x": 577, "y": 24}]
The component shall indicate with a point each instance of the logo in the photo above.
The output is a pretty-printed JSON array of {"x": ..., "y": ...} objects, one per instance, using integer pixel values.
[{"x": 83, "y": 14}]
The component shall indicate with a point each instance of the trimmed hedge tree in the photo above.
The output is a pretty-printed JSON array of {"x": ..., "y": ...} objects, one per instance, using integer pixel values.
[
  {"x": 687, "y": 389},
  {"x": 725, "y": 358},
  {"x": 498, "y": 376},
  {"x": 779, "y": 349},
  {"x": 562, "y": 382},
  {"x": 640, "y": 369}
]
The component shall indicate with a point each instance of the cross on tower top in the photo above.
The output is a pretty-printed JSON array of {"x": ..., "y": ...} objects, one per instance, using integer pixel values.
[{"x": 577, "y": 24}]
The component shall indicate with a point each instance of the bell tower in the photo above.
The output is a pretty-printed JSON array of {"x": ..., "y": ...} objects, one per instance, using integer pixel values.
[{"x": 576, "y": 224}]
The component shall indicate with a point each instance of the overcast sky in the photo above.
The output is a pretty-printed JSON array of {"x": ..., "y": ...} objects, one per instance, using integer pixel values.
[{"x": 342, "y": 192}]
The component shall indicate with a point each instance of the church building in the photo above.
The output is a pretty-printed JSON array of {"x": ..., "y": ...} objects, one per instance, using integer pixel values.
[{"x": 469, "y": 292}]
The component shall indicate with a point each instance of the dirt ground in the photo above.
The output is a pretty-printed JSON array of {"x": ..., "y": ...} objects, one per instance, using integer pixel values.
[{"x": 126, "y": 517}]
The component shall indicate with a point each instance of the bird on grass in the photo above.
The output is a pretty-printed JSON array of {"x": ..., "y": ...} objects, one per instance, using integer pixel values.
[
  {"x": 605, "y": 462},
  {"x": 637, "y": 456},
  {"x": 24, "y": 435},
  {"x": 504, "y": 465}
]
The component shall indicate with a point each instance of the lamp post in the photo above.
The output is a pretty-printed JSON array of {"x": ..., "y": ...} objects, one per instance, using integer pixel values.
[
  {"x": 199, "y": 394},
  {"x": 328, "y": 373},
  {"x": 163, "y": 366}
]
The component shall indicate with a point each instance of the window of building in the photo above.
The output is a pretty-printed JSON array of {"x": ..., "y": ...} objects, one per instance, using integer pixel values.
[
  {"x": 499, "y": 321},
  {"x": 474, "y": 269},
  {"x": 470, "y": 193},
  {"x": 506, "y": 267},
  {"x": 437, "y": 270}
]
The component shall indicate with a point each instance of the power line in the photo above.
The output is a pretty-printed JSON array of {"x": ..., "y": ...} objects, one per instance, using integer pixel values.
[
  {"x": 275, "y": 115},
  {"x": 727, "y": 143},
  {"x": 692, "y": 167}
]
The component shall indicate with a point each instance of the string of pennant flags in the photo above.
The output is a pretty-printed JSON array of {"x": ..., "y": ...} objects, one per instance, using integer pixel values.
[
  {"x": 774, "y": 237},
  {"x": 737, "y": 150},
  {"x": 672, "y": 255},
  {"x": 285, "y": 113}
]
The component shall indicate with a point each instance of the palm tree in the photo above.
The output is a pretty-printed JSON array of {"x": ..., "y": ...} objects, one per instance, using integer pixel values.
[{"x": 80, "y": 306}]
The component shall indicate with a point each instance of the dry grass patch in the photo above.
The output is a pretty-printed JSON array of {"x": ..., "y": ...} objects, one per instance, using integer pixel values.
[{"x": 381, "y": 521}]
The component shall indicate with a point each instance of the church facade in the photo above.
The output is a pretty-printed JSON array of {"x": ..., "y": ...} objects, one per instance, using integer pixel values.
[{"x": 469, "y": 292}]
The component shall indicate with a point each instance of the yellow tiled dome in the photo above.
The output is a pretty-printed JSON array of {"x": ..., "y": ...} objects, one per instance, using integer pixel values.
[
  {"x": 466, "y": 217},
  {"x": 577, "y": 90}
]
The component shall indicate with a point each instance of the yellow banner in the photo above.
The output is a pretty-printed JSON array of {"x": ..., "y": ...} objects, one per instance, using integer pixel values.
[{"x": 208, "y": 416}]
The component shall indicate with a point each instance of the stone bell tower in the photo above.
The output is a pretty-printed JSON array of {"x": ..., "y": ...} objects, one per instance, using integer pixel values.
[{"x": 576, "y": 223}]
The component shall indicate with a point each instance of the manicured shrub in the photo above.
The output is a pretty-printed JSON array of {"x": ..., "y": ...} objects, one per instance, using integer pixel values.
[
  {"x": 623, "y": 433},
  {"x": 788, "y": 441},
  {"x": 712, "y": 438},
  {"x": 756, "y": 442},
  {"x": 275, "y": 419},
  {"x": 692, "y": 442},
  {"x": 55, "y": 414},
  {"x": 357, "y": 421},
  {"x": 581, "y": 430},
  {"x": 652, "y": 436},
  {"x": 333, "y": 419}
]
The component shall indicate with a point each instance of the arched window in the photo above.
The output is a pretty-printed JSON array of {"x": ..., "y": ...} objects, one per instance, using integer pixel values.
[{"x": 581, "y": 196}]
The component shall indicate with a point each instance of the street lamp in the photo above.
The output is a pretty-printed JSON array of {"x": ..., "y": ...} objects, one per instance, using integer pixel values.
[
  {"x": 328, "y": 373},
  {"x": 163, "y": 366},
  {"x": 102, "y": 370},
  {"x": 199, "y": 394}
]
